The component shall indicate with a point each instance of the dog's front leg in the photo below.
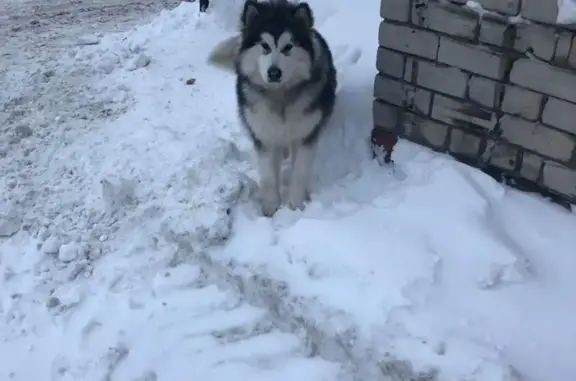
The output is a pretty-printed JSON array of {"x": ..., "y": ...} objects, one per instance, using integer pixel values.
[
  {"x": 269, "y": 160},
  {"x": 302, "y": 163}
]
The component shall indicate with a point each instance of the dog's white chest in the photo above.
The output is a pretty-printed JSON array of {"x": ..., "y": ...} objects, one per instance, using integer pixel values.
[{"x": 275, "y": 126}]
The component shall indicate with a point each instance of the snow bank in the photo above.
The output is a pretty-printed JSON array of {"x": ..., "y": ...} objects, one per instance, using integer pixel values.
[{"x": 428, "y": 267}]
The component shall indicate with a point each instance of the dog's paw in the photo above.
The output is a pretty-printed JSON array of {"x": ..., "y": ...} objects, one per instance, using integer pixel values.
[
  {"x": 269, "y": 202},
  {"x": 297, "y": 205},
  {"x": 298, "y": 201},
  {"x": 269, "y": 208}
]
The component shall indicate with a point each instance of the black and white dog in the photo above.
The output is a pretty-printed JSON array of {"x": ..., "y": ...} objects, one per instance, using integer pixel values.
[{"x": 286, "y": 91}]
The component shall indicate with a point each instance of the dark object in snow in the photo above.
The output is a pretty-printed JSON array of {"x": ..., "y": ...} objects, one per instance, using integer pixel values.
[
  {"x": 23, "y": 131},
  {"x": 191, "y": 81},
  {"x": 203, "y": 4},
  {"x": 383, "y": 143}
]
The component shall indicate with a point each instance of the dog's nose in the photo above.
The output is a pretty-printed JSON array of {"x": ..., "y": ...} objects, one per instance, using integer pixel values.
[{"x": 274, "y": 74}]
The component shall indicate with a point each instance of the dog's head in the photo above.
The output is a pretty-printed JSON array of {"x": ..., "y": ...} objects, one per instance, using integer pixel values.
[{"x": 277, "y": 43}]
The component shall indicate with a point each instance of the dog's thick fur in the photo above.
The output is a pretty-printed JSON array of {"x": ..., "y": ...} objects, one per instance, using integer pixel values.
[{"x": 286, "y": 91}]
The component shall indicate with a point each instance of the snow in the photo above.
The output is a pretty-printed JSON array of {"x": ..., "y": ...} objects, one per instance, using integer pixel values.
[
  {"x": 133, "y": 249},
  {"x": 566, "y": 12}
]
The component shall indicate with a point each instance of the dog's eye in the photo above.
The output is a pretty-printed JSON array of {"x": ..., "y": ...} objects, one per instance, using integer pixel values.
[
  {"x": 266, "y": 48},
  {"x": 287, "y": 49}
]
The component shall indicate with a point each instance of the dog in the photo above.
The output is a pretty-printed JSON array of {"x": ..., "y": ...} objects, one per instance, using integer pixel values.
[{"x": 285, "y": 89}]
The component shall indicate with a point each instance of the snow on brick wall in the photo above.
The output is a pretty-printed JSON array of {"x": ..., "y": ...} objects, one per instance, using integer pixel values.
[{"x": 492, "y": 82}]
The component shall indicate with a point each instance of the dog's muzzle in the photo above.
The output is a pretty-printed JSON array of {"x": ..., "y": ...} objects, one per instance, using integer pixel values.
[{"x": 274, "y": 74}]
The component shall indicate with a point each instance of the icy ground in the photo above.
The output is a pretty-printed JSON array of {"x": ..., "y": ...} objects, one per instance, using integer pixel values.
[{"x": 131, "y": 249}]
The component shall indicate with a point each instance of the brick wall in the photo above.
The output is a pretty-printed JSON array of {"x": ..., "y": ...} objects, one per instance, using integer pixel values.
[{"x": 494, "y": 92}]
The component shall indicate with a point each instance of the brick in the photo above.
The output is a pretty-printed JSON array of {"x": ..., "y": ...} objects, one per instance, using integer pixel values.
[
  {"x": 390, "y": 62},
  {"x": 504, "y": 156},
  {"x": 473, "y": 58},
  {"x": 411, "y": 70},
  {"x": 560, "y": 114},
  {"x": 447, "y": 18},
  {"x": 426, "y": 131},
  {"x": 544, "y": 11},
  {"x": 483, "y": 91},
  {"x": 537, "y": 39},
  {"x": 508, "y": 7},
  {"x": 408, "y": 40},
  {"x": 563, "y": 45},
  {"x": 572, "y": 55},
  {"x": 402, "y": 94},
  {"x": 538, "y": 138},
  {"x": 462, "y": 114},
  {"x": 521, "y": 102},
  {"x": 544, "y": 78},
  {"x": 531, "y": 166},
  {"x": 442, "y": 78},
  {"x": 398, "y": 10},
  {"x": 559, "y": 178},
  {"x": 385, "y": 116},
  {"x": 493, "y": 32},
  {"x": 464, "y": 143}
]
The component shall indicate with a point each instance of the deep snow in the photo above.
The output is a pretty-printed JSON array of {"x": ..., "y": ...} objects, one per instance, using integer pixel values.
[{"x": 140, "y": 255}]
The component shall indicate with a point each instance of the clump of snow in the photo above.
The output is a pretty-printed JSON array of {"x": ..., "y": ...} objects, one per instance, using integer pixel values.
[
  {"x": 566, "y": 12},
  {"x": 69, "y": 252},
  {"x": 138, "y": 62},
  {"x": 476, "y": 6},
  {"x": 51, "y": 245}
]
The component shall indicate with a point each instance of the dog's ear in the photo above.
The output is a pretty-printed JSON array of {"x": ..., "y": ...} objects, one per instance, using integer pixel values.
[
  {"x": 303, "y": 12},
  {"x": 250, "y": 12}
]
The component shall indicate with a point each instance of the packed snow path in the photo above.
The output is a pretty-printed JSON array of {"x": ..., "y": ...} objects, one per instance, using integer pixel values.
[{"x": 131, "y": 243}]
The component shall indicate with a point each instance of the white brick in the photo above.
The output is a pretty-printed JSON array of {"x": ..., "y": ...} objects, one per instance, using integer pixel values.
[
  {"x": 391, "y": 63},
  {"x": 545, "y": 11},
  {"x": 425, "y": 130},
  {"x": 537, "y": 39},
  {"x": 402, "y": 94},
  {"x": 483, "y": 91},
  {"x": 493, "y": 32},
  {"x": 447, "y": 18},
  {"x": 560, "y": 114},
  {"x": 531, "y": 166},
  {"x": 461, "y": 114},
  {"x": 473, "y": 58},
  {"x": 544, "y": 78},
  {"x": 408, "y": 40},
  {"x": 537, "y": 138},
  {"x": 398, "y": 10},
  {"x": 504, "y": 156},
  {"x": 385, "y": 116},
  {"x": 563, "y": 44},
  {"x": 560, "y": 179},
  {"x": 464, "y": 144},
  {"x": 521, "y": 102},
  {"x": 445, "y": 79}
]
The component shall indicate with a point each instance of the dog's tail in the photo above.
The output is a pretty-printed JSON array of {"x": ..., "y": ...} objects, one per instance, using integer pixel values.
[{"x": 223, "y": 56}]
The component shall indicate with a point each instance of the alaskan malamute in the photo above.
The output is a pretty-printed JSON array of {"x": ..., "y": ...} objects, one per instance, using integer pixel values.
[{"x": 286, "y": 90}]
